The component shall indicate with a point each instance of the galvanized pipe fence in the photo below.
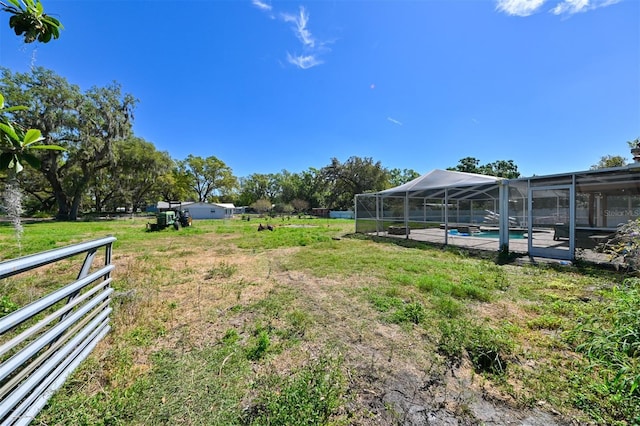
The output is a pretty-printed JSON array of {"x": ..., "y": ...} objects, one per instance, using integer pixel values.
[{"x": 44, "y": 341}]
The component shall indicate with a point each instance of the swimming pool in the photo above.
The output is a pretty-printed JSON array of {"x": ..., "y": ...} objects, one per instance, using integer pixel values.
[{"x": 513, "y": 235}]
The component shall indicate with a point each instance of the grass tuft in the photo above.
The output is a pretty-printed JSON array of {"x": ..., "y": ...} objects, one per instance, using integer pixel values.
[
  {"x": 221, "y": 270},
  {"x": 412, "y": 312},
  {"x": 312, "y": 395}
]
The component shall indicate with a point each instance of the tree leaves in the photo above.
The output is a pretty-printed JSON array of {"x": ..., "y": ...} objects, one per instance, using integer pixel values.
[
  {"x": 207, "y": 176},
  {"x": 501, "y": 168},
  {"x": 14, "y": 144},
  {"x": 8, "y": 135},
  {"x": 30, "y": 20},
  {"x": 32, "y": 136}
]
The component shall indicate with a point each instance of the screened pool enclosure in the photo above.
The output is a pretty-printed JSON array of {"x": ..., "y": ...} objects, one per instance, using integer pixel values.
[{"x": 547, "y": 216}]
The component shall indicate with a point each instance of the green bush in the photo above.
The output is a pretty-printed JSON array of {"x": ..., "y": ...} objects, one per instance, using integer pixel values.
[{"x": 625, "y": 245}]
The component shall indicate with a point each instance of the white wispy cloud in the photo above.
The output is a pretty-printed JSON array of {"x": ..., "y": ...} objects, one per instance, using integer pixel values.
[
  {"x": 312, "y": 48},
  {"x": 569, "y": 7},
  {"x": 300, "y": 21},
  {"x": 303, "y": 61},
  {"x": 394, "y": 121},
  {"x": 519, "y": 7},
  {"x": 262, "y": 5},
  {"x": 562, "y": 7}
]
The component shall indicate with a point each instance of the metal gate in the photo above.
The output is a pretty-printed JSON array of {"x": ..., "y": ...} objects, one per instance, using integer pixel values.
[{"x": 43, "y": 342}]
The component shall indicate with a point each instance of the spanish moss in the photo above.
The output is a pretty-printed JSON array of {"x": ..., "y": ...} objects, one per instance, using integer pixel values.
[{"x": 12, "y": 204}]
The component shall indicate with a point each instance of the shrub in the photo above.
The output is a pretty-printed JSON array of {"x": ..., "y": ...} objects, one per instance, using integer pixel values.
[{"x": 625, "y": 245}]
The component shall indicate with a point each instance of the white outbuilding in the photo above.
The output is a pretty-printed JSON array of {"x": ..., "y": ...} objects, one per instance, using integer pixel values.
[{"x": 210, "y": 210}]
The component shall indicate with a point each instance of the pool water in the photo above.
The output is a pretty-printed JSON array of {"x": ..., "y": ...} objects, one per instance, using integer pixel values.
[{"x": 488, "y": 234}]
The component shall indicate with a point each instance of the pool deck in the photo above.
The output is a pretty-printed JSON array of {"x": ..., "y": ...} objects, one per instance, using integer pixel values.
[{"x": 543, "y": 239}]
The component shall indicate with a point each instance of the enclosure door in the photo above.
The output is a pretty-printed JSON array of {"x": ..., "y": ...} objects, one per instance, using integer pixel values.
[{"x": 551, "y": 222}]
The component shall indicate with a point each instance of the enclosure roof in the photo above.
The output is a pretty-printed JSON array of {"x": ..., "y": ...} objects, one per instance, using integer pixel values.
[{"x": 441, "y": 179}]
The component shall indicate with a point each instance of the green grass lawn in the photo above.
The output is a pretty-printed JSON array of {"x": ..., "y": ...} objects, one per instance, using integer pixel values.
[{"x": 310, "y": 325}]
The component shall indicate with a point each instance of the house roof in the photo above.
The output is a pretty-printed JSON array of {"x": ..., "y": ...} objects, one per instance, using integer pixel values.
[
  {"x": 173, "y": 204},
  {"x": 225, "y": 205}
]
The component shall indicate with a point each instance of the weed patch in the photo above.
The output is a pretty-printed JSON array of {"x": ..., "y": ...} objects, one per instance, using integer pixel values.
[
  {"x": 610, "y": 340},
  {"x": 312, "y": 395},
  {"x": 548, "y": 322},
  {"x": 384, "y": 302},
  {"x": 448, "y": 307},
  {"x": 7, "y": 306},
  {"x": 412, "y": 312},
  {"x": 257, "y": 349},
  {"x": 487, "y": 348},
  {"x": 298, "y": 323},
  {"x": 221, "y": 270}
]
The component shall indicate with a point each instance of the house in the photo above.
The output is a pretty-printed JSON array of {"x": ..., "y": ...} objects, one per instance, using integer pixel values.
[
  {"x": 200, "y": 210},
  {"x": 210, "y": 210}
]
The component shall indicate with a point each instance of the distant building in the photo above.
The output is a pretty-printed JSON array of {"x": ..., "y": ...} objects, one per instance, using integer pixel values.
[
  {"x": 200, "y": 210},
  {"x": 210, "y": 210}
]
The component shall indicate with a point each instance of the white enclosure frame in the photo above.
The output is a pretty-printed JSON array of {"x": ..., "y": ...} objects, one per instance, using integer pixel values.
[{"x": 599, "y": 201}]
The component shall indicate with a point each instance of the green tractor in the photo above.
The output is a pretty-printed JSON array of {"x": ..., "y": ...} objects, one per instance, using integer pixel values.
[{"x": 169, "y": 218}]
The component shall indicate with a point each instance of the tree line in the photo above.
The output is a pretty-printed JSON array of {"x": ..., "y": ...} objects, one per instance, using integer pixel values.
[{"x": 103, "y": 166}]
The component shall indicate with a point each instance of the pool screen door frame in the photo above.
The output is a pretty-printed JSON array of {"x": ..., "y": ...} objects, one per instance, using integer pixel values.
[{"x": 548, "y": 247}]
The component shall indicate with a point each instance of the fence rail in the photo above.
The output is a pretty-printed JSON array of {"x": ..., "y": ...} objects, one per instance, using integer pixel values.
[{"x": 43, "y": 342}]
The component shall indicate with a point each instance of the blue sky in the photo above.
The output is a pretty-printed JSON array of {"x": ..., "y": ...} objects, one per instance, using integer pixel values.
[{"x": 271, "y": 85}]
